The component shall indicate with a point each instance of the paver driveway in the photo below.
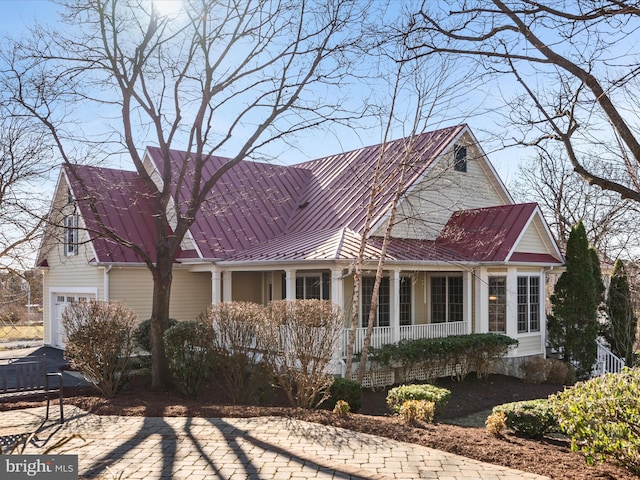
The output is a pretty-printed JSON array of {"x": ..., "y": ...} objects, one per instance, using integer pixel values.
[{"x": 262, "y": 448}]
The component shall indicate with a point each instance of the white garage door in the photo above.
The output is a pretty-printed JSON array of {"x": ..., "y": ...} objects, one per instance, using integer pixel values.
[{"x": 60, "y": 302}]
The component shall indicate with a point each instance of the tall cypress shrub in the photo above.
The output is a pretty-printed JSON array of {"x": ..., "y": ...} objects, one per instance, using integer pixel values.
[
  {"x": 620, "y": 330},
  {"x": 573, "y": 325}
]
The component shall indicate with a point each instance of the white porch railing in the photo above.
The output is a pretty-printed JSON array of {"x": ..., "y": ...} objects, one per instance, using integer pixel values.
[
  {"x": 384, "y": 335},
  {"x": 607, "y": 361}
]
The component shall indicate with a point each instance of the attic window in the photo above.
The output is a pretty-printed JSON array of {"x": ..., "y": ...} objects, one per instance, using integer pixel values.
[
  {"x": 69, "y": 197},
  {"x": 460, "y": 158},
  {"x": 71, "y": 235}
]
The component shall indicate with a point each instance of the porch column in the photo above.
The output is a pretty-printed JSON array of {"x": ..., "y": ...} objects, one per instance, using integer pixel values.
[
  {"x": 467, "y": 296},
  {"x": 543, "y": 311},
  {"x": 482, "y": 301},
  {"x": 337, "y": 288},
  {"x": 290, "y": 284},
  {"x": 395, "y": 305},
  {"x": 216, "y": 278},
  {"x": 512, "y": 302},
  {"x": 226, "y": 286}
]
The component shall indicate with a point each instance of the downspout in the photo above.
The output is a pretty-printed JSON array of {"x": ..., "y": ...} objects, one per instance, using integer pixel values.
[{"x": 105, "y": 287}]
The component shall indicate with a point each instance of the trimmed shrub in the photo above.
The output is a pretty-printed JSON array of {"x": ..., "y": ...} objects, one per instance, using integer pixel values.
[
  {"x": 496, "y": 424},
  {"x": 301, "y": 338},
  {"x": 100, "y": 342},
  {"x": 346, "y": 390},
  {"x": 529, "y": 418},
  {"x": 398, "y": 395},
  {"x": 461, "y": 353},
  {"x": 189, "y": 350},
  {"x": 601, "y": 417},
  {"x": 413, "y": 411},
  {"x": 238, "y": 346},
  {"x": 142, "y": 334},
  {"x": 541, "y": 370}
]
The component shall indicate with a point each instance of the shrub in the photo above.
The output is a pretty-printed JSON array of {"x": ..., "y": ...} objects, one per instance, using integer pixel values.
[
  {"x": 100, "y": 342},
  {"x": 529, "y": 418},
  {"x": 341, "y": 408},
  {"x": 461, "y": 354},
  {"x": 540, "y": 370},
  {"x": 142, "y": 334},
  {"x": 601, "y": 417},
  {"x": 238, "y": 346},
  {"x": 398, "y": 395},
  {"x": 413, "y": 411},
  {"x": 189, "y": 350},
  {"x": 346, "y": 390},
  {"x": 496, "y": 424},
  {"x": 301, "y": 339}
]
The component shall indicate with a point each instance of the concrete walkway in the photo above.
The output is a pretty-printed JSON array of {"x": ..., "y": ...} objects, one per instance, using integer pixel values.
[{"x": 237, "y": 448}]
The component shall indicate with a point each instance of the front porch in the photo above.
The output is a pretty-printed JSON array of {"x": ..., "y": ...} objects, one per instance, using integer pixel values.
[{"x": 386, "y": 335}]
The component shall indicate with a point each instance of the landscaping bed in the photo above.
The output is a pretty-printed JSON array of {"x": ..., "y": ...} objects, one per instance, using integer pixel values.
[{"x": 550, "y": 457}]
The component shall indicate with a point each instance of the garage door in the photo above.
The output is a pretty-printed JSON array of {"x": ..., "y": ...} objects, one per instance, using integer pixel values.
[{"x": 60, "y": 302}]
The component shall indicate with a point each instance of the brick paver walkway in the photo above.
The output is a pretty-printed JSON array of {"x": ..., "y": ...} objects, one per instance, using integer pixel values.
[{"x": 238, "y": 448}]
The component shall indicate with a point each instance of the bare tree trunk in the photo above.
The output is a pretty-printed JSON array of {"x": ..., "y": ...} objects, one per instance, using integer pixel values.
[
  {"x": 162, "y": 279},
  {"x": 380, "y": 270}
]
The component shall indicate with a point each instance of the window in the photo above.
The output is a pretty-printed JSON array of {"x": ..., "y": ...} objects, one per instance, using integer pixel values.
[
  {"x": 446, "y": 299},
  {"x": 383, "y": 317},
  {"x": 528, "y": 304},
  {"x": 312, "y": 286},
  {"x": 71, "y": 235},
  {"x": 460, "y": 158},
  {"x": 405, "y": 301},
  {"x": 497, "y": 304}
]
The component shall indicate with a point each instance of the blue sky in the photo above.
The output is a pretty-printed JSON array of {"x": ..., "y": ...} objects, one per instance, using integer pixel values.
[{"x": 16, "y": 15}]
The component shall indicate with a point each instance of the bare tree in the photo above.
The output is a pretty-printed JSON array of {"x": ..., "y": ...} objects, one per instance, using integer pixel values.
[
  {"x": 25, "y": 163},
  {"x": 566, "y": 199},
  {"x": 221, "y": 77},
  {"x": 576, "y": 65}
]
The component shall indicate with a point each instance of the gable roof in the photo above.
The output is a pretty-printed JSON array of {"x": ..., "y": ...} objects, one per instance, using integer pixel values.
[
  {"x": 122, "y": 202},
  {"x": 491, "y": 234},
  {"x": 314, "y": 211}
]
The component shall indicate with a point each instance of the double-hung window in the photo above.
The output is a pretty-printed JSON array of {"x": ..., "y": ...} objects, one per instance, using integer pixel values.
[
  {"x": 446, "y": 299},
  {"x": 528, "y": 304},
  {"x": 498, "y": 304},
  {"x": 71, "y": 235}
]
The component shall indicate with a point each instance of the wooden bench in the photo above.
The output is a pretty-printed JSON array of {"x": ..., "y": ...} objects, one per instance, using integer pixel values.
[{"x": 27, "y": 376}]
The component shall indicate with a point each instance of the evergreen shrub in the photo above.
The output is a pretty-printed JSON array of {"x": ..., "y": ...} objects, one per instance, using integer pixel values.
[
  {"x": 398, "y": 395},
  {"x": 189, "y": 350},
  {"x": 602, "y": 418},
  {"x": 529, "y": 418}
]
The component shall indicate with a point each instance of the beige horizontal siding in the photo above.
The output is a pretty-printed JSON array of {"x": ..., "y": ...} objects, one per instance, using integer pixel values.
[
  {"x": 529, "y": 345},
  {"x": 190, "y": 292}
]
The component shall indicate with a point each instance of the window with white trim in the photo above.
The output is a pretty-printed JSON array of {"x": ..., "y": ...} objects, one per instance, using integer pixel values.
[
  {"x": 383, "y": 315},
  {"x": 312, "y": 286},
  {"x": 460, "y": 158},
  {"x": 446, "y": 299},
  {"x": 498, "y": 304},
  {"x": 528, "y": 304},
  {"x": 71, "y": 235}
]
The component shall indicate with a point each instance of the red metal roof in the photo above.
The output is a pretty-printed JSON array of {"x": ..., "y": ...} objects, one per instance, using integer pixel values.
[
  {"x": 339, "y": 192},
  {"x": 310, "y": 211},
  {"x": 122, "y": 203},
  {"x": 249, "y": 204},
  {"x": 489, "y": 234}
]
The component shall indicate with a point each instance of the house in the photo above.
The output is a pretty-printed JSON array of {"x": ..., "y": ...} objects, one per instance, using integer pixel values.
[{"x": 463, "y": 258}]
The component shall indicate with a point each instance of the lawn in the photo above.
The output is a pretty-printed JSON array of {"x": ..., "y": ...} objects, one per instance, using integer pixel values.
[{"x": 12, "y": 333}]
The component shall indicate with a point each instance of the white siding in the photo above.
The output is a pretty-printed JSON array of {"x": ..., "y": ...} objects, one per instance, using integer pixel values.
[
  {"x": 529, "y": 345},
  {"x": 535, "y": 239},
  {"x": 427, "y": 207}
]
